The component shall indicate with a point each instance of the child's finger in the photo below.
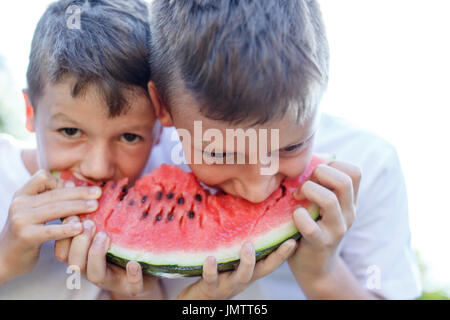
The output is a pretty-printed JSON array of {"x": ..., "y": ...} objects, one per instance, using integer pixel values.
[
  {"x": 135, "y": 281},
  {"x": 40, "y": 182},
  {"x": 275, "y": 259},
  {"x": 62, "y": 247},
  {"x": 96, "y": 270},
  {"x": 307, "y": 227},
  {"x": 352, "y": 171},
  {"x": 57, "y": 210},
  {"x": 38, "y": 234},
  {"x": 338, "y": 182},
  {"x": 330, "y": 209},
  {"x": 80, "y": 246},
  {"x": 244, "y": 272},
  {"x": 209, "y": 273},
  {"x": 65, "y": 194}
]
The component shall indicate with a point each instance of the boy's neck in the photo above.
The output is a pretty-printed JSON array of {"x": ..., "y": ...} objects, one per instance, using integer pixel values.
[{"x": 29, "y": 158}]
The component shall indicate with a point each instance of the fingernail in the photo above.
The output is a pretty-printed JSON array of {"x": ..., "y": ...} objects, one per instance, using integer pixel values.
[
  {"x": 249, "y": 249},
  {"x": 290, "y": 247},
  {"x": 299, "y": 211},
  {"x": 100, "y": 239},
  {"x": 71, "y": 220},
  {"x": 211, "y": 261},
  {"x": 133, "y": 269},
  {"x": 69, "y": 184},
  {"x": 76, "y": 227},
  {"x": 92, "y": 204},
  {"x": 95, "y": 190},
  {"x": 88, "y": 226}
]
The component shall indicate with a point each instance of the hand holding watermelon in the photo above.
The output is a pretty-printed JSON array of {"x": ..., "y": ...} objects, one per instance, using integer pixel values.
[
  {"x": 88, "y": 252},
  {"x": 41, "y": 200},
  {"x": 225, "y": 285},
  {"x": 334, "y": 189}
]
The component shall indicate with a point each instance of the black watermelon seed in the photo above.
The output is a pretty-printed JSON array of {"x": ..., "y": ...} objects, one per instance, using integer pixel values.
[
  {"x": 125, "y": 189},
  {"x": 158, "y": 217},
  {"x": 180, "y": 200},
  {"x": 170, "y": 195},
  {"x": 102, "y": 184},
  {"x": 145, "y": 214},
  {"x": 191, "y": 214},
  {"x": 159, "y": 195},
  {"x": 122, "y": 196},
  {"x": 283, "y": 190},
  {"x": 131, "y": 203},
  {"x": 198, "y": 197},
  {"x": 170, "y": 217}
]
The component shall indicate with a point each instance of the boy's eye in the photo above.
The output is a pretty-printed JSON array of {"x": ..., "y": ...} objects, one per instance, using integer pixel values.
[
  {"x": 292, "y": 148},
  {"x": 215, "y": 154},
  {"x": 71, "y": 132},
  {"x": 130, "y": 138}
]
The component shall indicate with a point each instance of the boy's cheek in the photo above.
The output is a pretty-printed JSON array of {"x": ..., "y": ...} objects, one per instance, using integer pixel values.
[
  {"x": 132, "y": 165},
  {"x": 294, "y": 166},
  {"x": 51, "y": 155}
]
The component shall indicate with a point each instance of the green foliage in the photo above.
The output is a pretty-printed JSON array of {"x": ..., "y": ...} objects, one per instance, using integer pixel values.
[
  {"x": 430, "y": 291},
  {"x": 434, "y": 295},
  {"x": 11, "y": 106}
]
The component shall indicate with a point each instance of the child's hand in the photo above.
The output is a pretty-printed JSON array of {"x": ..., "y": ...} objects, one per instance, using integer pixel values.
[
  {"x": 228, "y": 284},
  {"x": 88, "y": 252},
  {"x": 334, "y": 189},
  {"x": 41, "y": 200}
]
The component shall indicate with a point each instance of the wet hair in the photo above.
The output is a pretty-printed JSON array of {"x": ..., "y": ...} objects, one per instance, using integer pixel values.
[
  {"x": 107, "y": 47},
  {"x": 242, "y": 60}
]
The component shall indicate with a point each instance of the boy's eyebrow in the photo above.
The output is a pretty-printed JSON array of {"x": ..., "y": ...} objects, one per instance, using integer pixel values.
[
  {"x": 138, "y": 127},
  {"x": 62, "y": 116},
  {"x": 300, "y": 141}
]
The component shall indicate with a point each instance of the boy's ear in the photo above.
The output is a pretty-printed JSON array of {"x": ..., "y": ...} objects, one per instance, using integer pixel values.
[
  {"x": 161, "y": 111},
  {"x": 29, "y": 112}
]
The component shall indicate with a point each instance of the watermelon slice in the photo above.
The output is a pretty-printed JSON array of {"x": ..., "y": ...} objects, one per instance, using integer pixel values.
[{"x": 169, "y": 223}]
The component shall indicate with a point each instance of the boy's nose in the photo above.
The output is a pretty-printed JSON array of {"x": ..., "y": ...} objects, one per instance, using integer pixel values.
[
  {"x": 255, "y": 187},
  {"x": 97, "y": 164}
]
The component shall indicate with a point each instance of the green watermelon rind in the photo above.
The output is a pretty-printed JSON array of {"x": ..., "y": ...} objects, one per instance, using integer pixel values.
[{"x": 119, "y": 256}]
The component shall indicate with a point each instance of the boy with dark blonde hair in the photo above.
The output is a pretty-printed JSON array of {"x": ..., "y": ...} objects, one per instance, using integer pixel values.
[{"x": 88, "y": 104}]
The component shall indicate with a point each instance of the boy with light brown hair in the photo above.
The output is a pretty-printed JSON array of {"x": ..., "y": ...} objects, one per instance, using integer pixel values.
[{"x": 264, "y": 65}]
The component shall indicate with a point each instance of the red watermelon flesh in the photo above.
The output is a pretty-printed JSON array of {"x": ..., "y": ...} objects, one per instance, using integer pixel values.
[{"x": 169, "y": 223}]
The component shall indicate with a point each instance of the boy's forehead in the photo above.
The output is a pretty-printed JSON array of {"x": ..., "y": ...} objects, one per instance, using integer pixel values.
[
  {"x": 60, "y": 94},
  {"x": 187, "y": 115},
  {"x": 58, "y": 103}
]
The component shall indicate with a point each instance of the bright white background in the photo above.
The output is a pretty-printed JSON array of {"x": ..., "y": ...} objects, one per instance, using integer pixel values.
[{"x": 390, "y": 72}]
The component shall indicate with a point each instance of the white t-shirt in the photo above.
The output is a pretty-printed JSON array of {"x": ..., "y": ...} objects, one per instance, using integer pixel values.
[
  {"x": 377, "y": 247},
  {"x": 49, "y": 279}
]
